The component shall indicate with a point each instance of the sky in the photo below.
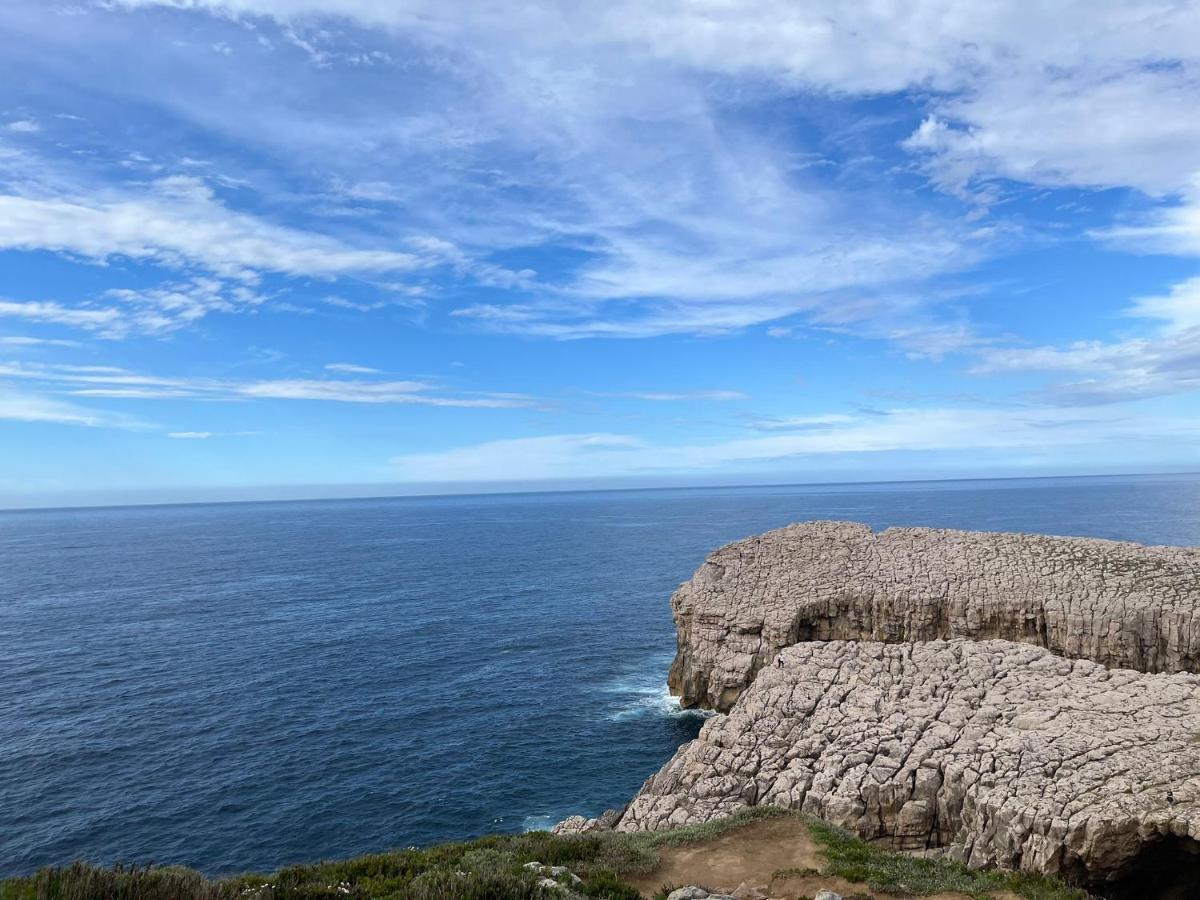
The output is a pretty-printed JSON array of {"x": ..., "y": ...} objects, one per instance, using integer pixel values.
[{"x": 309, "y": 247}]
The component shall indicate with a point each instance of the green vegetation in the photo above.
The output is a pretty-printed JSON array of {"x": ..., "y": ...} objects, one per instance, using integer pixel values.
[
  {"x": 886, "y": 870},
  {"x": 493, "y": 868}
]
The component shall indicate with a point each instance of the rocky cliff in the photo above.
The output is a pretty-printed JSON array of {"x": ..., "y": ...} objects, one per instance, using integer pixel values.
[
  {"x": 1119, "y": 604},
  {"x": 998, "y": 752},
  {"x": 1013, "y": 700}
]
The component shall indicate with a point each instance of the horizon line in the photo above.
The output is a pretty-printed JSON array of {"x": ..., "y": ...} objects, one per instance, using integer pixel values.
[{"x": 570, "y": 490}]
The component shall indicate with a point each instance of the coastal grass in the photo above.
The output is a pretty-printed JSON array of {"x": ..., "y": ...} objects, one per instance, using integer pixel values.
[
  {"x": 493, "y": 868},
  {"x": 898, "y": 873}
]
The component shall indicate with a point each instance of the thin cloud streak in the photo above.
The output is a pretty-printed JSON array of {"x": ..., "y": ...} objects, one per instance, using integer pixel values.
[
  {"x": 117, "y": 383},
  {"x": 25, "y": 406},
  {"x": 675, "y": 396}
]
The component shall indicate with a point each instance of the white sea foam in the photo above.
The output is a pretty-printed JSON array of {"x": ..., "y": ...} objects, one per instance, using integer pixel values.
[
  {"x": 540, "y": 822},
  {"x": 644, "y": 693}
]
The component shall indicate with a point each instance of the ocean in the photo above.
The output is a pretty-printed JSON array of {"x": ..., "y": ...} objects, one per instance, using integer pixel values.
[{"x": 241, "y": 686}]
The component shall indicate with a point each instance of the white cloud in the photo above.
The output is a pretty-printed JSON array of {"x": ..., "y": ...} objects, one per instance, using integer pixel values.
[
  {"x": 798, "y": 423},
  {"x": 594, "y": 130},
  {"x": 23, "y": 126},
  {"x": 173, "y": 305},
  {"x": 16, "y": 340},
  {"x": 24, "y": 406},
  {"x": 618, "y": 130},
  {"x": 1172, "y": 229},
  {"x": 672, "y": 396},
  {"x": 56, "y": 313},
  {"x": 178, "y": 222},
  {"x": 344, "y": 391},
  {"x": 351, "y": 369},
  {"x": 868, "y": 48},
  {"x": 119, "y": 383},
  {"x": 900, "y": 430},
  {"x": 1164, "y": 362},
  {"x": 1107, "y": 122},
  {"x": 206, "y": 435},
  {"x": 1180, "y": 308}
]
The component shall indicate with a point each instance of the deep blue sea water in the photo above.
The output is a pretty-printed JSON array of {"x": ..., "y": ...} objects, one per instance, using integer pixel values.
[{"x": 241, "y": 686}]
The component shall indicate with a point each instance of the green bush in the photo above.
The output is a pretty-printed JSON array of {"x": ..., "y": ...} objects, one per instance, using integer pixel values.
[{"x": 604, "y": 883}]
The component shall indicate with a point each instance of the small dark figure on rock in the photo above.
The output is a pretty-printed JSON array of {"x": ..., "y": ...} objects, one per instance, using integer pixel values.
[{"x": 1171, "y": 797}]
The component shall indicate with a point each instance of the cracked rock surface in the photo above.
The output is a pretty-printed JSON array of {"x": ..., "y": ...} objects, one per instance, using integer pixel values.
[
  {"x": 1002, "y": 753},
  {"x": 1120, "y": 604}
]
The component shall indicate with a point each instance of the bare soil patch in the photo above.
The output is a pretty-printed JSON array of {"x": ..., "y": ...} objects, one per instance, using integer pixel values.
[{"x": 777, "y": 856}]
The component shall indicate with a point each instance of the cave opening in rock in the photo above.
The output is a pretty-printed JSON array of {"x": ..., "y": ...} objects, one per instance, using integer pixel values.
[{"x": 1166, "y": 869}]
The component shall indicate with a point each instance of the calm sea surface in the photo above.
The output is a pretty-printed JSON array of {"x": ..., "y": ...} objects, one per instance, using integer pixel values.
[{"x": 247, "y": 685}]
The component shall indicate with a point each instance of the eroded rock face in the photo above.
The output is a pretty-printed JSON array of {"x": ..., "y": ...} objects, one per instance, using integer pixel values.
[
  {"x": 1120, "y": 604},
  {"x": 1000, "y": 752}
]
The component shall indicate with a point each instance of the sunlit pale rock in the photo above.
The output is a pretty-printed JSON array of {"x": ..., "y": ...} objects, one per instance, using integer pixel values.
[
  {"x": 1120, "y": 604},
  {"x": 1003, "y": 753}
]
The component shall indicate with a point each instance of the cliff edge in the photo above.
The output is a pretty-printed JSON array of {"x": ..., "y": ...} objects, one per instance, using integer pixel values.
[{"x": 1120, "y": 604}]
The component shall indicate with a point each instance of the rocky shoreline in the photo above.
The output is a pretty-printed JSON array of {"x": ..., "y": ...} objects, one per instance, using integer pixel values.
[{"x": 1006, "y": 700}]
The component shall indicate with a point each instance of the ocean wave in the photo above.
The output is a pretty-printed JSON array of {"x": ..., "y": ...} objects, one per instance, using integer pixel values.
[{"x": 643, "y": 693}]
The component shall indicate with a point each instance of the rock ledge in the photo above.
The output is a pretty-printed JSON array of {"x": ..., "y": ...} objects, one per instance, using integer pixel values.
[{"x": 1120, "y": 604}]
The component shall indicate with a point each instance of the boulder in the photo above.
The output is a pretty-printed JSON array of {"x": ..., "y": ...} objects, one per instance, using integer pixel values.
[{"x": 575, "y": 825}]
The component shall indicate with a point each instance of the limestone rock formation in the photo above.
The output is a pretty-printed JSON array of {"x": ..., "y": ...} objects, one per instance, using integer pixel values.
[
  {"x": 606, "y": 821},
  {"x": 1120, "y": 604},
  {"x": 1003, "y": 753}
]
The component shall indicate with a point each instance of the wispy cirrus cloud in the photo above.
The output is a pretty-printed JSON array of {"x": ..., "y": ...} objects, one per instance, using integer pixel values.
[
  {"x": 685, "y": 217},
  {"x": 682, "y": 216},
  {"x": 1167, "y": 361},
  {"x": 21, "y": 340},
  {"x": 351, "y": 369},
  {"x": 797, "y": 423},
  {"x": 1173, "y": 229},
  {"x": 207, "y": 435},
  {"x": 120, "y": 312},
  {"x": 676, "y": 396},
  {"x": 113, "y": 382},
  {"x": 528, "y": 141},
  {"x": 178, "y": 221},
  {"x": 899, "y": 430},
  {"x": 86, "y": 318},
  {"x": 27, "y": 406}
]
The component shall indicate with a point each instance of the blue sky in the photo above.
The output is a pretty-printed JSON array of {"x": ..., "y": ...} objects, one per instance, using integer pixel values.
[{"x": 267, "y": 247}]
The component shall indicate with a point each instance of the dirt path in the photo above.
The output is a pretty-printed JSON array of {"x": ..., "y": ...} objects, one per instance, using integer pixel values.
[{"x": 777, "y": 856}]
